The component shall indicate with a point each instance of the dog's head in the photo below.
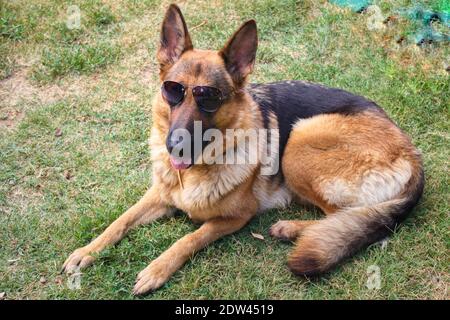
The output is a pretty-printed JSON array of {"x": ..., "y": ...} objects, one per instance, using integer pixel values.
[{"x": 201, "y": 85}]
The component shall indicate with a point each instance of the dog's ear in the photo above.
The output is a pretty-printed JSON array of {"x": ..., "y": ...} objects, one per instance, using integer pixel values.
[
  {"x": 240, "y": 51},
  {"x": 175, "y": 38}
]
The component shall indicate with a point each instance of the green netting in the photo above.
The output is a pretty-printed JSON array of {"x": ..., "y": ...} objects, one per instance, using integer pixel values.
[
  {"x": 355, "y": 5},
  {"x": 424, "y": 18}
]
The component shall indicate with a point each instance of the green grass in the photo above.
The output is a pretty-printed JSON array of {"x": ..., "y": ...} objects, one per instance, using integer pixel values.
[
  {"x": 75, "y": 59},
  {"x": 9, "y": 27},
  {"x": 95, "y": 84}
]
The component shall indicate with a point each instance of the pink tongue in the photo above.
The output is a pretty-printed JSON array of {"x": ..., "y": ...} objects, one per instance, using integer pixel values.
[{"x": 179, "y": 164}]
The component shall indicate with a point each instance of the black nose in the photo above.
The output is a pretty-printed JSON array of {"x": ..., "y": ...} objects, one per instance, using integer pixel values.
[{"x": 172, "y": 142}]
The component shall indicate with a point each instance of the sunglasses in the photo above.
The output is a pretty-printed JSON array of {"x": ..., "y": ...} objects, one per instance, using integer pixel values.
[{"x": 208, "y": 99}]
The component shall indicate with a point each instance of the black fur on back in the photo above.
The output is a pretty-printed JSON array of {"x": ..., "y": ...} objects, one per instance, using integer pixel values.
[{"x": 294, "y": 100}]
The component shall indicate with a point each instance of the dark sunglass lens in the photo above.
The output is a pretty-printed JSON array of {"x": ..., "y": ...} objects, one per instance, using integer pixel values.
[
  {"x": 208, "y": 99},
  {"x": 173, "y": 92}
]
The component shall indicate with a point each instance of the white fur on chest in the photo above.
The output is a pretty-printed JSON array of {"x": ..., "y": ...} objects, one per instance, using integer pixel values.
[{"x": 201, "y": 192}]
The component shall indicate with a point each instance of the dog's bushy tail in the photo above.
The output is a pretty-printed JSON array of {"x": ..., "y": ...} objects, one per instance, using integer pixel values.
[{"x": 324, "y": 244}]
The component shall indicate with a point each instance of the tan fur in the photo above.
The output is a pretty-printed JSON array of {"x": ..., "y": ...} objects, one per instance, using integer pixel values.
[
  {"x": 355, "y": 168},
  {"x": 330, "y": 159},
  {"x": 271, "y": 192},
  {"x": 352, "y": 167},
  {"x": 289, "y": 230}
]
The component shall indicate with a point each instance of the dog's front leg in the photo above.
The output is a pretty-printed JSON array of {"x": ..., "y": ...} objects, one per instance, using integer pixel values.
[
  {"x": 160, "y": 270},
  {"x": 149, "y": 208}
]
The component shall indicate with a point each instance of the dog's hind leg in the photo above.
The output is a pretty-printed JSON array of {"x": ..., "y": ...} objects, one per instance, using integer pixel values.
[
  {"x": 289, "y": 230},
  {"x": 364, "y": 168},
  {"x": 149, "y": 208}
]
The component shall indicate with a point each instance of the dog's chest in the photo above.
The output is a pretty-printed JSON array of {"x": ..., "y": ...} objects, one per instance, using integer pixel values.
[
  {"x": 205, "y": 192},
  {"x": 211, "y": 198},
  {"x": 218, "y": 190}
]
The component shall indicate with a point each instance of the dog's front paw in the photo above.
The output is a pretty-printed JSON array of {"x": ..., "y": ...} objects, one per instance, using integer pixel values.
[
  {"x": 79, "y": 259},
  {"x": 152, "y": 277}
]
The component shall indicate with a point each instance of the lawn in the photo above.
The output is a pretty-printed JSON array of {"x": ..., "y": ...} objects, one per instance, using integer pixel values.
[{"x": 74, "y": 123}]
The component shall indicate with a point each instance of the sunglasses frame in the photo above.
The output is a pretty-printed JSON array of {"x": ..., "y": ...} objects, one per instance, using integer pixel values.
[{"x": 221, "y": 97}]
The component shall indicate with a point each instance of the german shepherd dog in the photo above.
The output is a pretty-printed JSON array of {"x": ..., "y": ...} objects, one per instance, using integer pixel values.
[{"x": 337, "y": 151}]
